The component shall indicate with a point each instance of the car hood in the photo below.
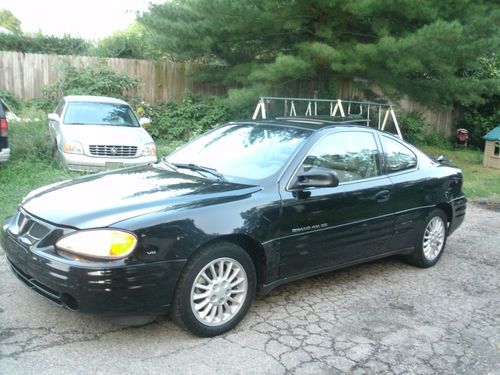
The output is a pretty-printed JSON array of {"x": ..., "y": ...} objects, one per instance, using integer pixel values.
[
  {"x": 106, "y": 135},
  {"x": 102, "y": 199}
]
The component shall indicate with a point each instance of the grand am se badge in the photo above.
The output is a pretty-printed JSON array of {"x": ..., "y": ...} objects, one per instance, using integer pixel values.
[{"x": 309, "y": 227}]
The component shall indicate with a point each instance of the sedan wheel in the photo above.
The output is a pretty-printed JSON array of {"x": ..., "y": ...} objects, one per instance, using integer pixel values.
[
  {"x": 215, "y": 290},
  {"x": 431, "y": 240},
  {"x": 219, "y": 291},
  {"x": 434, "y": 236}
]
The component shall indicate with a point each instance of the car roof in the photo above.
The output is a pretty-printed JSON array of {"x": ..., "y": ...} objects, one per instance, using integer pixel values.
[
  {"x": 93, "y": 99},
  {"x": 310, "y": 123}
]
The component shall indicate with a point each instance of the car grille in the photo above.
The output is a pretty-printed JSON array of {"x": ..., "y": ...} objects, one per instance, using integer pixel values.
[
  {"x": 112, "y": 150},
  {"x": 24, "y": 236},
  {"x": 27, "y": 229}
]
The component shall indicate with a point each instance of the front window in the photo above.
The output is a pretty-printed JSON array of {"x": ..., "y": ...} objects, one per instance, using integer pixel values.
[
  {"x": 91, "y": 113},
  {"x": 352, "y": 155},
  {"x": 243, "y": 152},
  {"x": 496, "y": 150}
]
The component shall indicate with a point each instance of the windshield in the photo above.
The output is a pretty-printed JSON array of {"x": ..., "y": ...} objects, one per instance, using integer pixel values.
[
  {"x": 243, "y": 152},
  {"x": 89, "y": 113}
]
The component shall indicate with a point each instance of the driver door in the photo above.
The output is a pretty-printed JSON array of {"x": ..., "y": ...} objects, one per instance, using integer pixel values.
[{"x": 330, "y": 226}]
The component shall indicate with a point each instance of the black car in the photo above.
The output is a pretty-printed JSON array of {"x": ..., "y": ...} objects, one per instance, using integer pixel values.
[{"x": 245, "y": 207}]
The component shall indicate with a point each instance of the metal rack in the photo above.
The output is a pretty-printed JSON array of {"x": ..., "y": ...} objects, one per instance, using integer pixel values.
[{"x": 344, "y": 108}]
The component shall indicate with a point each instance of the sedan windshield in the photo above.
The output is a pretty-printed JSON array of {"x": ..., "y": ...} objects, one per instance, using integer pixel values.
[
  {"x": 242, "y": 152},
  {"x": 89, "y": 113}
]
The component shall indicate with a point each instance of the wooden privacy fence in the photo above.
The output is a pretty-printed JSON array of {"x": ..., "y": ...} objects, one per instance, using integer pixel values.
[{"x": 25, "y": 74}]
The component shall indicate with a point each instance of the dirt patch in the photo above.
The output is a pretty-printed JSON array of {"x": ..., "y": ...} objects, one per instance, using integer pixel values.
[{"x": 487, "y": 204}]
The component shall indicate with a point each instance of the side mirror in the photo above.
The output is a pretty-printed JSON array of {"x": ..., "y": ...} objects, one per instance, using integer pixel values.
[
  {"x": 144, "y": 121},
  {"x": 53, "y": 117},
  {"x": 316, "y": 177}
]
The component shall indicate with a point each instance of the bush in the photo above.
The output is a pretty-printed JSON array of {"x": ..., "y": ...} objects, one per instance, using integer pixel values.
[
  {"x": 436, "y": 139},
  {"x": 419, "y": 132},
  {"x": 30, "y": 140},
  {"x": 194, "y": 115},
  {"x": 39, "y": 104},
  {"x": 481, "y": 120},
  {"x": 90, "y": 79},
  {"x": 414, "y": 128},
  {"x": 10, "y": 99}
]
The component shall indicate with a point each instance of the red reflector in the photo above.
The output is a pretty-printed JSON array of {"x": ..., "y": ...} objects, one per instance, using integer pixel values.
[{"x": 4, "y": 128}]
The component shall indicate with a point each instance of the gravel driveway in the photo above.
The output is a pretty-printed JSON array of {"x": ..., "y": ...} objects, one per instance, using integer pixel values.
[{"x": 382, "y": 317}]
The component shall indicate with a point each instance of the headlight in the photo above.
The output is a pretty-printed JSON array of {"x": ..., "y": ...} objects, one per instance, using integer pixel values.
[
  {"x": 99, "y": 243},
  {"x": 149, "y": 149},
  {"x": 73, "y": 147}
]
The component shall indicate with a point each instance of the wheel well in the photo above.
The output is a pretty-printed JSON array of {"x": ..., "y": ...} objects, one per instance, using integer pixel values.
[
  {"x": 446, "y": 207},
  {"x": 251, "y": 246}
]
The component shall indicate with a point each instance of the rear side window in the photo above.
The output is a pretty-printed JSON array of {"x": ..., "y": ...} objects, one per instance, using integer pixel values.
[{"x": 399, "y": 157}]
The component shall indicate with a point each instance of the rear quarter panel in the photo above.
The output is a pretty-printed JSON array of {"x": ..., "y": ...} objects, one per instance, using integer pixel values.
[{"x": 418, "y": 192}]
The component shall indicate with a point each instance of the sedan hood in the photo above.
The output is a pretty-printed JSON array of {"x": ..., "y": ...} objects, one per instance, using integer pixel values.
[
  {"x": 106, "y": 135},
  {"x": 102, "y": 199}
]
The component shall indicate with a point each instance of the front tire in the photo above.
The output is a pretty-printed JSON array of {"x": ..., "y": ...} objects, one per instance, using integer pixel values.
[
  {"x": 431, "y": 240},
  {"x": 215, "y": 290}
]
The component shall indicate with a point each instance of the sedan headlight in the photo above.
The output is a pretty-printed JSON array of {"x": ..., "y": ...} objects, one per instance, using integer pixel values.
[
  {"x": 149, "y": 149},
  {"x": 73, "y": 147},
  {"x": 99, "y": 243}
]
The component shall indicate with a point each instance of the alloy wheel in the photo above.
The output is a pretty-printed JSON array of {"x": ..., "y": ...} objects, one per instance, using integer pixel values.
[
  {"x": 218, "y": 291},
  {"x": 434, "y": 236}
]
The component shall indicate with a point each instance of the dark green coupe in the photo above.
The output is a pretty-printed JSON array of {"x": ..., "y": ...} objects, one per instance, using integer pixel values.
[{"x": 245, "y": 207}]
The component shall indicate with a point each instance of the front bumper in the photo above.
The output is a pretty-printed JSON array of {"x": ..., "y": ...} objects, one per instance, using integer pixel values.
[
  {"x": 80, "y": 162},
  {"x": 105, "y": 288},
  {"x": 4, "y": 154}
]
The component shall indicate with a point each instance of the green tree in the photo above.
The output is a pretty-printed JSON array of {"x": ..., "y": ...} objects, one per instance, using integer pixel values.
[
  {"x": 481, "y": 118},
  {"x": 10, "y": 22},
  {"x": 129, "y": 43},
  {"x": 40, "y": 43},
  {"x": 423, "y": 49}
]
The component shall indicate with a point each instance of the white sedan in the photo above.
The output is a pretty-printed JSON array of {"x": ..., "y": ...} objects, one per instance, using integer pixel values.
[{"x": 91, "y": 133}]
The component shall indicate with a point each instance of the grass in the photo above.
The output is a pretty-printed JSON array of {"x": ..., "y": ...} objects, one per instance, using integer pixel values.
[
  {"x": 32, "y": 165},
  {"x": 479, "y": 182}
]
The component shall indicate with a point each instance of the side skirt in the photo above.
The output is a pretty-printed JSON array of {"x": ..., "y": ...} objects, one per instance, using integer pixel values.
[{"x": 266, "y": 288}]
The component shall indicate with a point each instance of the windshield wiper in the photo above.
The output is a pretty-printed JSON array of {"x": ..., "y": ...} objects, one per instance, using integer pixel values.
[
  {"x": 169, "y": 164},
  {"x": 199, "y": 168}
]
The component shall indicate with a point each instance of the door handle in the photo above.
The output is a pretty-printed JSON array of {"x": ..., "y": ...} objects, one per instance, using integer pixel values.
[{"x": 383, "y": 196}]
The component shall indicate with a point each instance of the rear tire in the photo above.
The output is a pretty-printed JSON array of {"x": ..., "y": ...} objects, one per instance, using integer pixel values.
[
  {"x": 215, "y": 290},
  {"x": 431, "y": 240}
]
